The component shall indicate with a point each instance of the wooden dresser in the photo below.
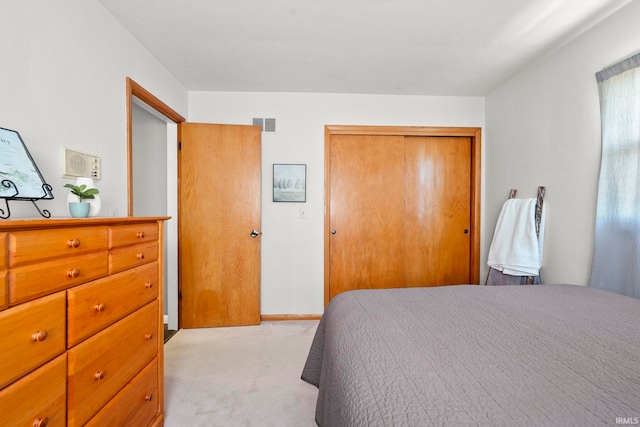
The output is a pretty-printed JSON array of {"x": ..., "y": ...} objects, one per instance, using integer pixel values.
[{"x": 82, "y": 322}]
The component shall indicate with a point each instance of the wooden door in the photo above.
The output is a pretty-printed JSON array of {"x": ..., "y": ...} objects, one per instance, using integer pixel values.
[
  {"x": 437, "y": 210},
  {"x": 366, "y": 212},
  {"x": 403, "y": 207},
  {"x": 219, "y": 207}
]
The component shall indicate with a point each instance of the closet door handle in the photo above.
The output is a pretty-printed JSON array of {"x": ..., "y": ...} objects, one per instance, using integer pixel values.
[
  {"x": 333, "y": 231},
  {"x": 254, "y": 233}
]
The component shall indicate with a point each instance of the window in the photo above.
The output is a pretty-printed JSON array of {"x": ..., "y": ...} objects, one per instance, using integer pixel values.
[{"x": 616, "y": 259}]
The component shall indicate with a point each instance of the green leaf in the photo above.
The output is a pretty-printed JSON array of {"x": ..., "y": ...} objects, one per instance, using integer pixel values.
[{"x": 82, "y": 192}]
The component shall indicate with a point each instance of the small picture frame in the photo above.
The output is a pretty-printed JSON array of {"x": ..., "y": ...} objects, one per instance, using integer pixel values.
[{"x": 289, "y": 182}]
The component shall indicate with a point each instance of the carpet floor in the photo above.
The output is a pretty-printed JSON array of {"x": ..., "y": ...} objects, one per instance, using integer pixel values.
[{"x": 240, "y": 376}]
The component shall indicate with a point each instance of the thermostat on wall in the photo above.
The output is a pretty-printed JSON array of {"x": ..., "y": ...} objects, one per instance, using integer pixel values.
[{"x": 80, "y": 165}]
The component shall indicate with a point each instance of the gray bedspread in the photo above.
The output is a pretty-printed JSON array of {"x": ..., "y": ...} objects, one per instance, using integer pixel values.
[{"x": 551, "y": 355}]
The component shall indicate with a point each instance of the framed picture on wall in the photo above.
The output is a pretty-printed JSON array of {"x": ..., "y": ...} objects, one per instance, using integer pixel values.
[{"x": 289, "y": 182}]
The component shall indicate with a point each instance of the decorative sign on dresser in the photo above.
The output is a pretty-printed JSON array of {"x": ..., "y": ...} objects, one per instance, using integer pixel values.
[{"x": 82, "y": 320}]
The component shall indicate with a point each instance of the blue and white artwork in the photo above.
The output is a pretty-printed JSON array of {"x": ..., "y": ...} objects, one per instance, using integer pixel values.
[{"x": 19, "y": 175}]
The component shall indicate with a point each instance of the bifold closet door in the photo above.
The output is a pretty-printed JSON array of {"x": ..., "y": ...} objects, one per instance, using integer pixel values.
[
  {"x": 366, "y": 215},
  {"x": 437, "y": 207}
]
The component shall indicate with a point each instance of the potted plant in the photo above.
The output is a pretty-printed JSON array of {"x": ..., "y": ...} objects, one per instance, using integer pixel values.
[{"x": 81, "y": 209}]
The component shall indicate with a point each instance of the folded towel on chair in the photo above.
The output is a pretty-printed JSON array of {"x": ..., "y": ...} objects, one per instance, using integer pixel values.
[{"x": 516, "y": 249}]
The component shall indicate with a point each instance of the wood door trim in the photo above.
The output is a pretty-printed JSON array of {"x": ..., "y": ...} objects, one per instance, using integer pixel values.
[
  {"x": 402, "y": 130},
  {"x": 327, "y": 224},
  {"x": 474, "y": 133},
  {"x": 134, "y": 89},
  {"x": 287, "y": 317}
]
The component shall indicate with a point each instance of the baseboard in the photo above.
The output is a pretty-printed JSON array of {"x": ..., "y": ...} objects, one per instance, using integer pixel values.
[{"x": 274, "y": 317}]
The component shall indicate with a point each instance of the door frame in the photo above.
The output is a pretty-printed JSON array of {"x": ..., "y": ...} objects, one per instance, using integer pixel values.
[
  {"x": 134, "y": 90},
  {"x": 474, "y": 133}
]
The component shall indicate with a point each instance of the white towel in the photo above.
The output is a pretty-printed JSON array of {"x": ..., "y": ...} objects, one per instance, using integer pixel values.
[{"x": 515, "y": 249}]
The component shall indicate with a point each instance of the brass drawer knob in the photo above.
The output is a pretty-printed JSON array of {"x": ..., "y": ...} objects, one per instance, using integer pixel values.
[
  {"x": 41, "y": 422},
  {"x": 148, "y": 397},
  {"x": 148, "y": 285},
  {"x": 140, "y": 234},
  {"x": 73, "y": 243},
  {"x": 99, "y": 375},
  {"x": 148, "y": 336},
  {"x": 99, "y": 307},
  {"x": 39, "y": 336},
  {"x": 140, "y": 255},
  {"x": 73, "y": 273}
]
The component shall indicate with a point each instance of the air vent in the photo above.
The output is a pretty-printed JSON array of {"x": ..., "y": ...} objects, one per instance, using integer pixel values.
[
  {"x": 269, "y": 125},
  {"x": 256, "y": 121},
  {"x": 266, "y": 124}
]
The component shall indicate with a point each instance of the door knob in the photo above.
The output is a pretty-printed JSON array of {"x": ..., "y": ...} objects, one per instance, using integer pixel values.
[
  {"x": 254, "y": 233},
  {"x": 333, "y": 231}
]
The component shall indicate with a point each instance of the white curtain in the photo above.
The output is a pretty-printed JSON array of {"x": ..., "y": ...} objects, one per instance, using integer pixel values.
[{"x": 616, "y": 259}]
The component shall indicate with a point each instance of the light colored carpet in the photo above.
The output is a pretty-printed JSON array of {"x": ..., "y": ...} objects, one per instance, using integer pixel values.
[{"x": 240, "y": 376}]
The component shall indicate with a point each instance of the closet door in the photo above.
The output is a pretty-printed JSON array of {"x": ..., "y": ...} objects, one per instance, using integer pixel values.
[
  {"x": 402, "y": 207},
  {"x": 437, "y": 206},
  {"x": 366, "y": 215}
]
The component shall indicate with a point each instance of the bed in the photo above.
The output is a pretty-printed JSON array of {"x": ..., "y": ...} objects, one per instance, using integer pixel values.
[{"x": 465, "y": 355}]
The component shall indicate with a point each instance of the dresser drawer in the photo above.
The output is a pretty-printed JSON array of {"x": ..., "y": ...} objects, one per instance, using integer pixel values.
[
  {"x": 93, "y": 306},
  {"x": 33, "y": 245},
  {"x": 39, "y": 279},
  {"x": 130, "y": 256},
  {"x": 103, "y": 364},
  {"x": 135, "y": 405},
  {"x": 32, "y": 333},
  {"x": 123, "y": 235},
  {"x": 4, "y": 292},
  {"x": 3, "y": 251},
  {"x": 38, "y": 399},
  {"x": 4, "y": 297}
]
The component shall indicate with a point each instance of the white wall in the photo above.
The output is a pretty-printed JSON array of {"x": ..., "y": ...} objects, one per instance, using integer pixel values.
[
  {"x": 292, "y": 248},
  {"x": 543, "y": 128},
  {"x": 63, "y": 84},
  {"x": 62, "y": 81},
  {"x": 149, "y": 135},
  {"x": 149, "y": 164}
]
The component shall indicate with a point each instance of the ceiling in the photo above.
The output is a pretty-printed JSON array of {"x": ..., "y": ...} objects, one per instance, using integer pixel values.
[{"x": 411, "y": 47}]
